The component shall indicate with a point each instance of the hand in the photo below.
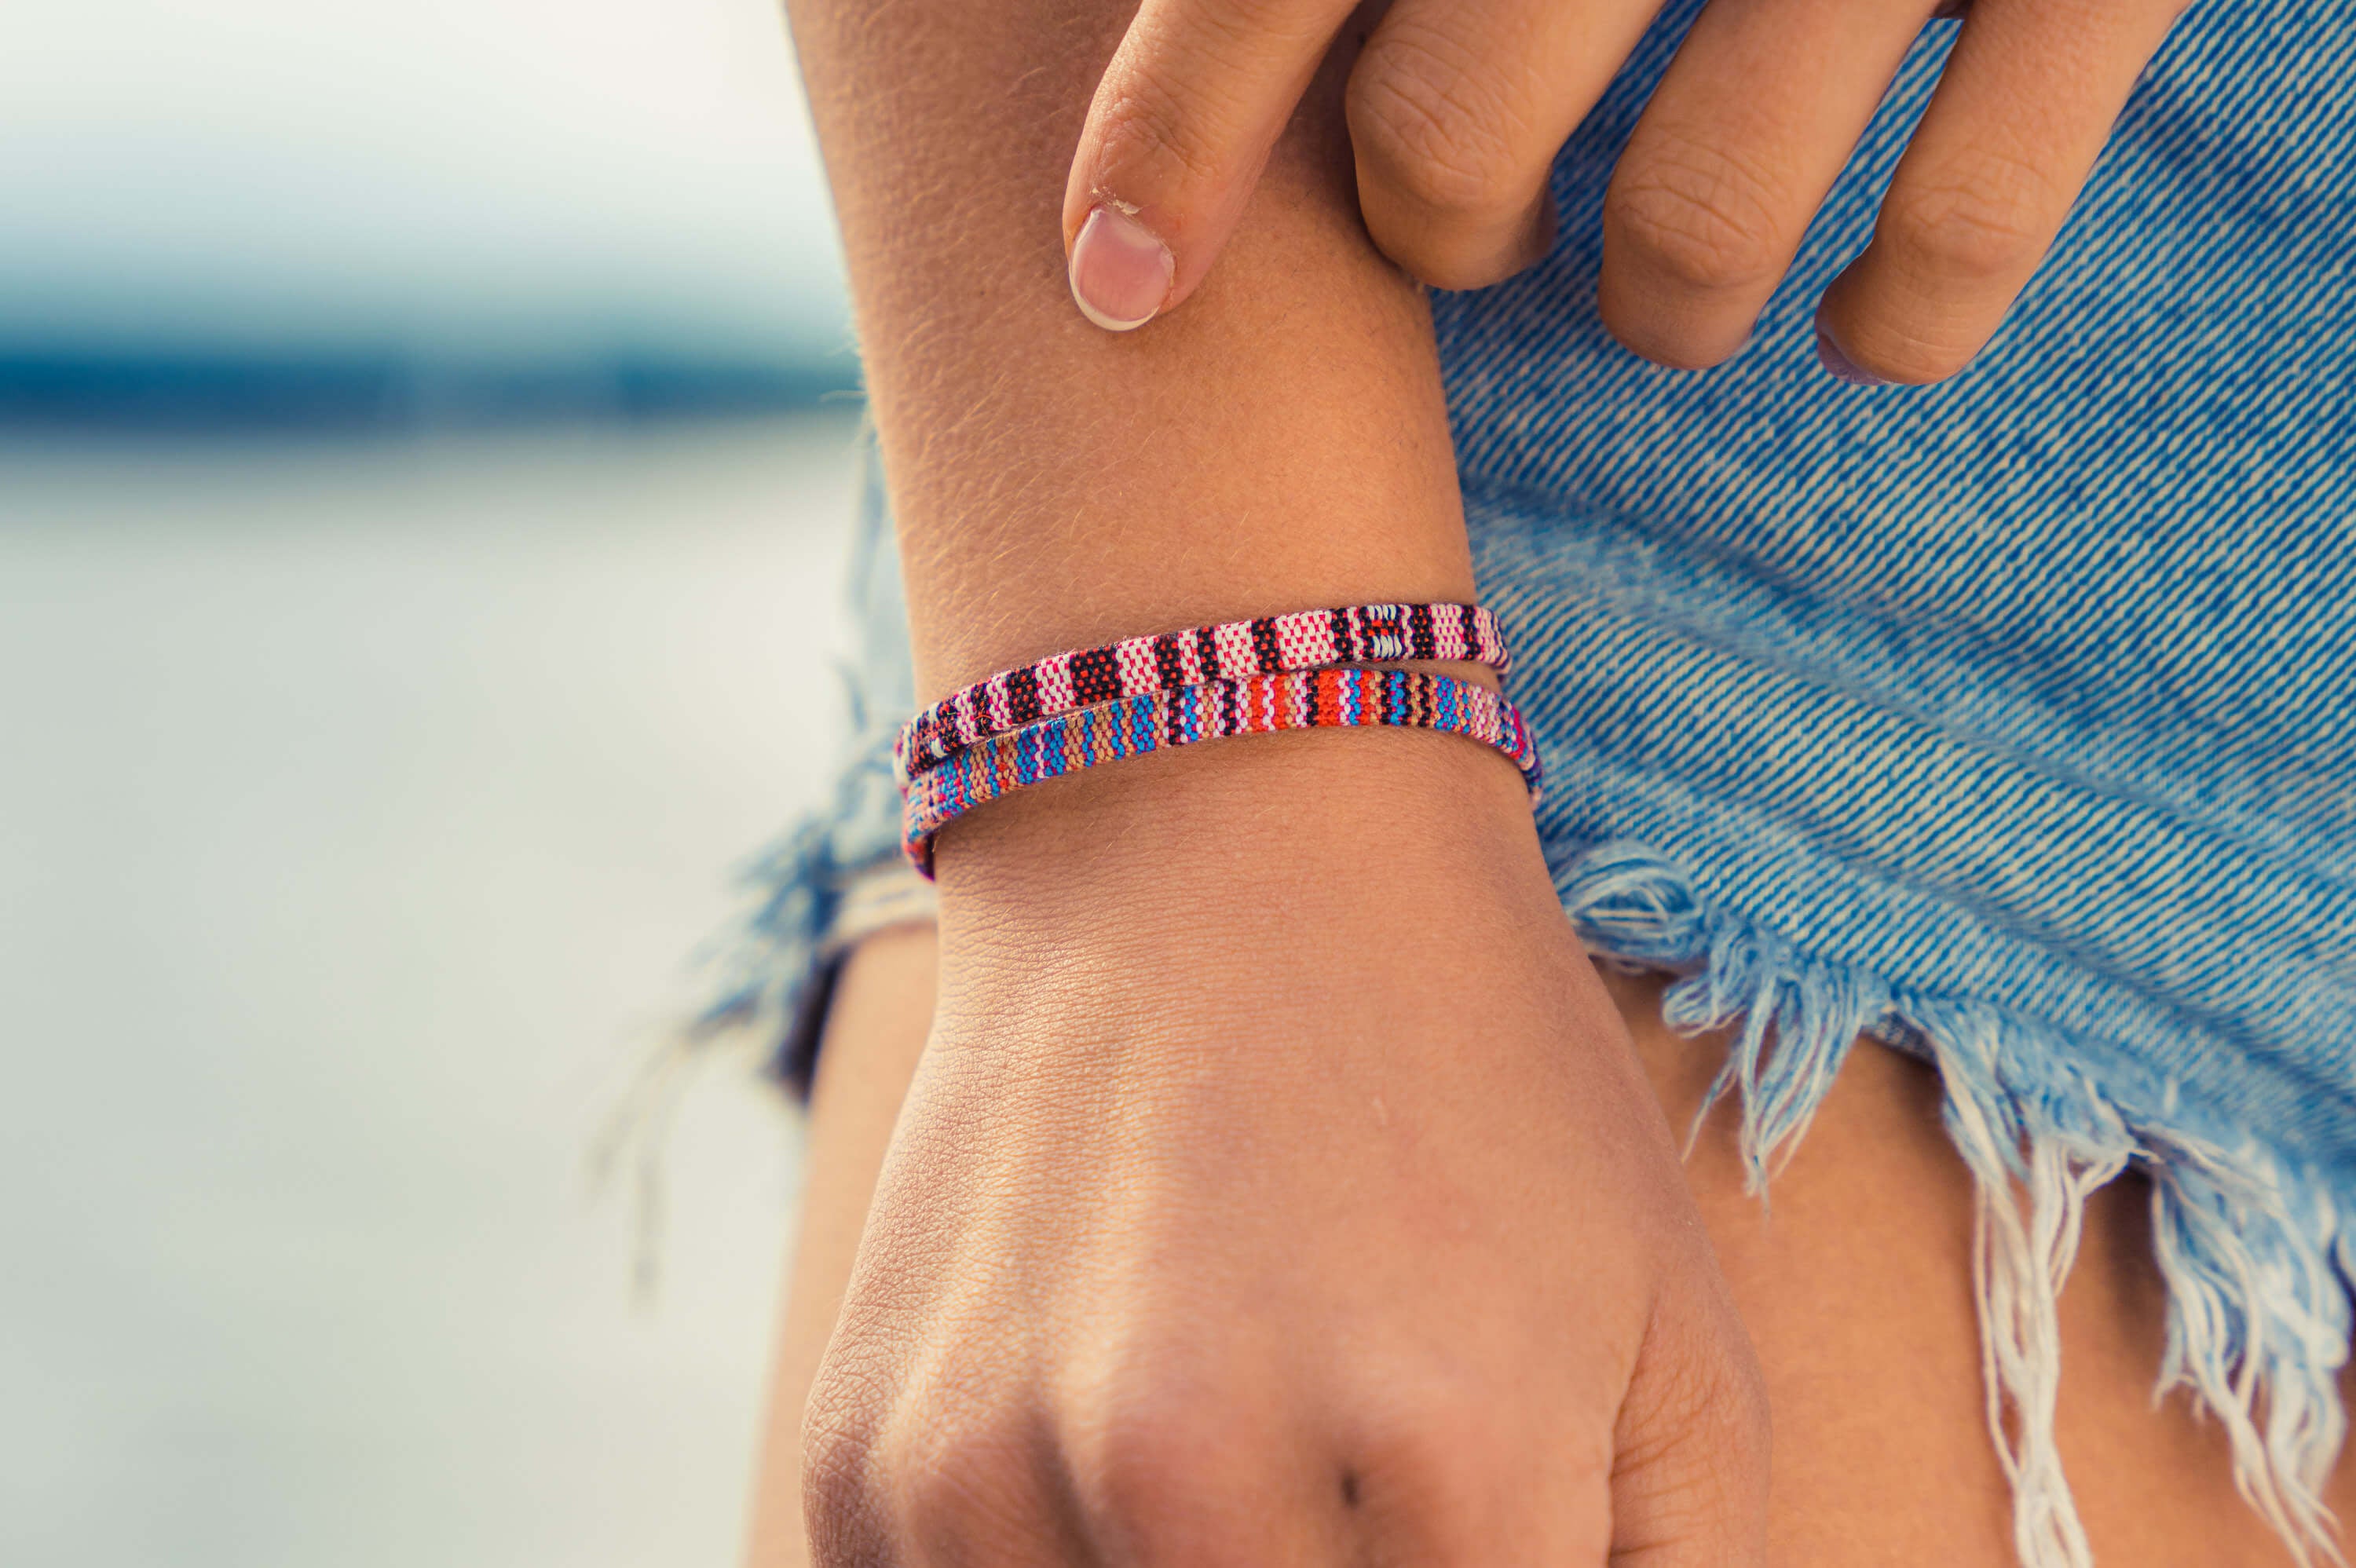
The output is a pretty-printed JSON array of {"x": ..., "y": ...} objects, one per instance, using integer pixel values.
[
  {"x": 1458, "y": 107},
  {"x": 1279, "y": 1186}
]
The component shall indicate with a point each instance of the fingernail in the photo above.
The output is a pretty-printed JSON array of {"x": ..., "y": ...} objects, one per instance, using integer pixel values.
[
  {"x": 1839, "y": 365},
  {"x": 1121, "y": 273}
]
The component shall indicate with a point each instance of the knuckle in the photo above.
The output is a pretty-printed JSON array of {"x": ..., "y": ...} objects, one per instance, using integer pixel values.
[
  {"x": 1429, "y": 1448},
  {"x": 1694, "y": 213},
  {"x": 893, "y": 1452},
  {"x": 1911, "y": 355},
  {"x": 1146, "y": 120},
  {"x": 1148, "y": 1457},
  {"x": 1185, "y": 97},
  {"x": 1980, "y": 222},
  {"x": 968, "y": 1485},
  {"x": 1236, "y": 31},
  {"x": 1440, "y": 125}
]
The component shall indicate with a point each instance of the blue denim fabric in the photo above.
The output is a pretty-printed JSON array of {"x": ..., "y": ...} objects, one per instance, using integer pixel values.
[
  {"x": 2014, "y": 719},
  {"x": 2012, "y": 722}
]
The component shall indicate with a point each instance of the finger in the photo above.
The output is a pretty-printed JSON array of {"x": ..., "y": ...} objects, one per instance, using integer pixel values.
[
  {"x": 1689, "y": 1482},
  {"x": 2029, "y": 96},
  {"x": 1182, "y": 124},
  {"x": 1746, "y": 132},
  {"x": 1456, "y": 111}
]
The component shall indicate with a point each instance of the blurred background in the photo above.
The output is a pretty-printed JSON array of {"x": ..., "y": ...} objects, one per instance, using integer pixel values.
[{"x": 425, "y": 464}]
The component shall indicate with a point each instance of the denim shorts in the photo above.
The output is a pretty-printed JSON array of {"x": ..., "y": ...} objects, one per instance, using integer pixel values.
[{"x": 2011, "y": 722}]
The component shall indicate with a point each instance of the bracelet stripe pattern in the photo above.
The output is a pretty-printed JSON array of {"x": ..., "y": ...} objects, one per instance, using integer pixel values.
[
  {"x": 1206, "y": 711},
  {"x": 1271, "y": 645}
]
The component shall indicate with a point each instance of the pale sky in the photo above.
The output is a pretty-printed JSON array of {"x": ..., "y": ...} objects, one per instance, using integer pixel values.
[{"x": 455, "y": 174}]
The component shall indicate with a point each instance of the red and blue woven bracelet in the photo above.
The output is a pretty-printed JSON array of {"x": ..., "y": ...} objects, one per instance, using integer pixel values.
[
  {"x": 1269, "y": 644},
  {"x": 1206, "y": 710}
]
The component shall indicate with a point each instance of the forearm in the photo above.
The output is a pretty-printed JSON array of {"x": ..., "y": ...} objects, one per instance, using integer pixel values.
[
  {"x": 1282, "y": 443},
  {"x": 1269, "y": 1120}
]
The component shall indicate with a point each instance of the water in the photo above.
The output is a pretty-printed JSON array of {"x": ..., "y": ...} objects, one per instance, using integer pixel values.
[{"x": 358, "y": 805}]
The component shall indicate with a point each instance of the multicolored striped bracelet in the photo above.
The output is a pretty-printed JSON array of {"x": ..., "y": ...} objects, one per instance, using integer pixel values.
[
  {"x": 1304, "y": 640},
  {"x": 1206, "y": 711}
]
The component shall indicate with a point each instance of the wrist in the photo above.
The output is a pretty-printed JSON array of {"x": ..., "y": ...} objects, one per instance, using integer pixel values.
[
  {"x": 1357, "y": 832},
  {"x": 1255, "y": 918}
]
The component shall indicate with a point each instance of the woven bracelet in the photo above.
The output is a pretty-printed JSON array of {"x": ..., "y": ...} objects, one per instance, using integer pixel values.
[
  {"x": 1207, "y": 710},
  {"x": 1271, "y": 645}
]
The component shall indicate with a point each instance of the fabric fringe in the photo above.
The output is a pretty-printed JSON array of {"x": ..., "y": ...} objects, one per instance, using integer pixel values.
[
  {"x": 772, "y": 973},
  {"x": 2252, "y": 1245}
]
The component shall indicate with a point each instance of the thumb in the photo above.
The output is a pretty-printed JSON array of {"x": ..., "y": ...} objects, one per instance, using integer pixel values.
[
  {"x": 1181, "y": 127},
  {"x": 1689, "y": 1471}
]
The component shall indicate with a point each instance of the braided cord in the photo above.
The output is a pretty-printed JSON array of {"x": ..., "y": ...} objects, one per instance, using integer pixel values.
[
  {"x": 1206, "y": 711},
  {"x": 1269, "y": 644}
]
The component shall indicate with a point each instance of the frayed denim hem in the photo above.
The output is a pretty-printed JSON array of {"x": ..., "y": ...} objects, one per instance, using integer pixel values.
[
  {"x": 835, "y": 879},
  {"x": 832, "y": 880},
  {"x": 2251, "y": 1241}
]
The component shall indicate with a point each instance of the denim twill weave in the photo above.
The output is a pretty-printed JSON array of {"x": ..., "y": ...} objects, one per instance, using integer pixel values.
[{"x": 2018, "y": 710}]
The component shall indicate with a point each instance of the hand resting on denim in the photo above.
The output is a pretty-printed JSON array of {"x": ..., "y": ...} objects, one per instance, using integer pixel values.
[{"x": 1456, "y": 109}]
